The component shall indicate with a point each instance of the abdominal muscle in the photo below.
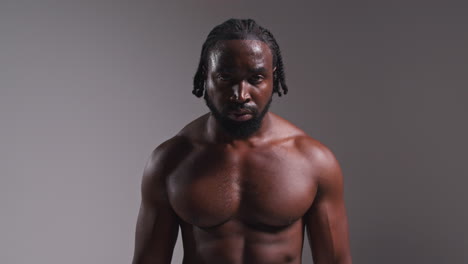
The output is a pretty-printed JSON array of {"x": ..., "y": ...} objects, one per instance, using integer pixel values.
[{"x": 236, "y": 242}]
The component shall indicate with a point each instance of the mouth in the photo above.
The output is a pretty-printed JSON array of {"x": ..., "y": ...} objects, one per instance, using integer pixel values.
[{"x": 240, "y": 115}]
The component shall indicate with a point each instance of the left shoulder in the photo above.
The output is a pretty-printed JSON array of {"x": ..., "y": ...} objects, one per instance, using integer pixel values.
[
  {"x": 325, "y": 167},
  {"x": 310, "y": 148},
  {"x": 314, "y": 150}
]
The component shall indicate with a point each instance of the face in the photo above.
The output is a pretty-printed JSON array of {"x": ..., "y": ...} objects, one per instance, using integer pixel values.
[{"x": 239, "y": 85}]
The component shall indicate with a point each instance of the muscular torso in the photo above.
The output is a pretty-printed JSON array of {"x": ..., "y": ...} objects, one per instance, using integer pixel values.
[{"x": 242, "y": 204}]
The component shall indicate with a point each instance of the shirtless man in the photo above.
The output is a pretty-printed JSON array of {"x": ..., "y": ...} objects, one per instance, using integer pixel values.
[{"x": 241, "y": 182}]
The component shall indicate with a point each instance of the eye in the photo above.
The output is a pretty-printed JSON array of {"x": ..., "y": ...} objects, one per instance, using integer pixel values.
[
  {"x": 256, "y": 79},
  {"x": 223, "y": 77}
]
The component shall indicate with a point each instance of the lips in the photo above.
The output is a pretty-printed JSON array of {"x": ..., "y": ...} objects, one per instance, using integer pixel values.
[
  {"x": 240, "y": 115},
  {"x": 240, "y": 112}
]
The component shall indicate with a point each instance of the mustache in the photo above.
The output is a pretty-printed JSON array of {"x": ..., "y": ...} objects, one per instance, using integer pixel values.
[{"x": 241, "y": 106}]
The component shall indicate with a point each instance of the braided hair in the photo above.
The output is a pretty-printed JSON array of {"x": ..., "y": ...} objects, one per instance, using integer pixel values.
[{"x": 240, "y": 29}]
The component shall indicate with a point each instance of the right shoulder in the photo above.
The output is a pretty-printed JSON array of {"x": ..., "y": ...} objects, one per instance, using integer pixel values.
[
  {"x": 161, "y": 162},
  {"x": 168, "y": 154}
]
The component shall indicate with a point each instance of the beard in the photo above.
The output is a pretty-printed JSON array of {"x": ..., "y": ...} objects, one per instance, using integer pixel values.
[{"x": 238, "y": 129}]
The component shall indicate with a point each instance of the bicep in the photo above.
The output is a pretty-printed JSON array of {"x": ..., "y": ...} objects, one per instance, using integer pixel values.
[
  {"x": 156, "y": 234},
  {"x": 157, "y": 224},
  {"x": 326, "y": 220}
]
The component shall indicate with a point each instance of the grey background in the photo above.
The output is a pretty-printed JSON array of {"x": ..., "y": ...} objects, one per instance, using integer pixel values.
[{"x": 90, "y": 88}]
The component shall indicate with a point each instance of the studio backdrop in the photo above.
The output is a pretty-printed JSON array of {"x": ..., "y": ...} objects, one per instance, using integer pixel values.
[{"x": 89, "y": 88}]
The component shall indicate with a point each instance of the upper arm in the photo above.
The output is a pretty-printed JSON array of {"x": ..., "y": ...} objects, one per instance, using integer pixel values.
[
  {"x": 326, "y": 220},
  {"x": 157, "y": 225}
]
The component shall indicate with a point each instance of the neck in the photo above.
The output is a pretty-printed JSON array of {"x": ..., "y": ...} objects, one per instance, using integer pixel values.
[{"x": 217, "y": 134}]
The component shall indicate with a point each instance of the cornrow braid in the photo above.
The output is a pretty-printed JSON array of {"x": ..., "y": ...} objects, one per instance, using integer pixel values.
[{"x": 240, "y": 29}]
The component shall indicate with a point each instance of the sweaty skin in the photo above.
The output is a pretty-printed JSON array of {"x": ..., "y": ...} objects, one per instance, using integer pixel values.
[{"x": 242, "y": 200}]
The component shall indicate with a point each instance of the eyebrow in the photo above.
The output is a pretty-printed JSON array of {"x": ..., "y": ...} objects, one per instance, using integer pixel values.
[
  {"x": 258, "y": 70},
  {"x": 233, "y": 69}
]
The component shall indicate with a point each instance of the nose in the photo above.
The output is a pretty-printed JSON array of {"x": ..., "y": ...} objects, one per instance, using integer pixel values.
[{"x": 240, "y": 93}]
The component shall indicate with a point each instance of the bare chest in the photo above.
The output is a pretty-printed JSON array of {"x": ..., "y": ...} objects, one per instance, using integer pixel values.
[{"x": 272, "y": 188}]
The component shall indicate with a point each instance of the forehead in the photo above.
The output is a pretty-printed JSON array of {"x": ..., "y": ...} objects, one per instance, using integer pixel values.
[{"x": 240, "y": 53}]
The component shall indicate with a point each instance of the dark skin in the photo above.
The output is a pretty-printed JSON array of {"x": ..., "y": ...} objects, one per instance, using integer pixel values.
[{"x": 243, "y": 200}]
